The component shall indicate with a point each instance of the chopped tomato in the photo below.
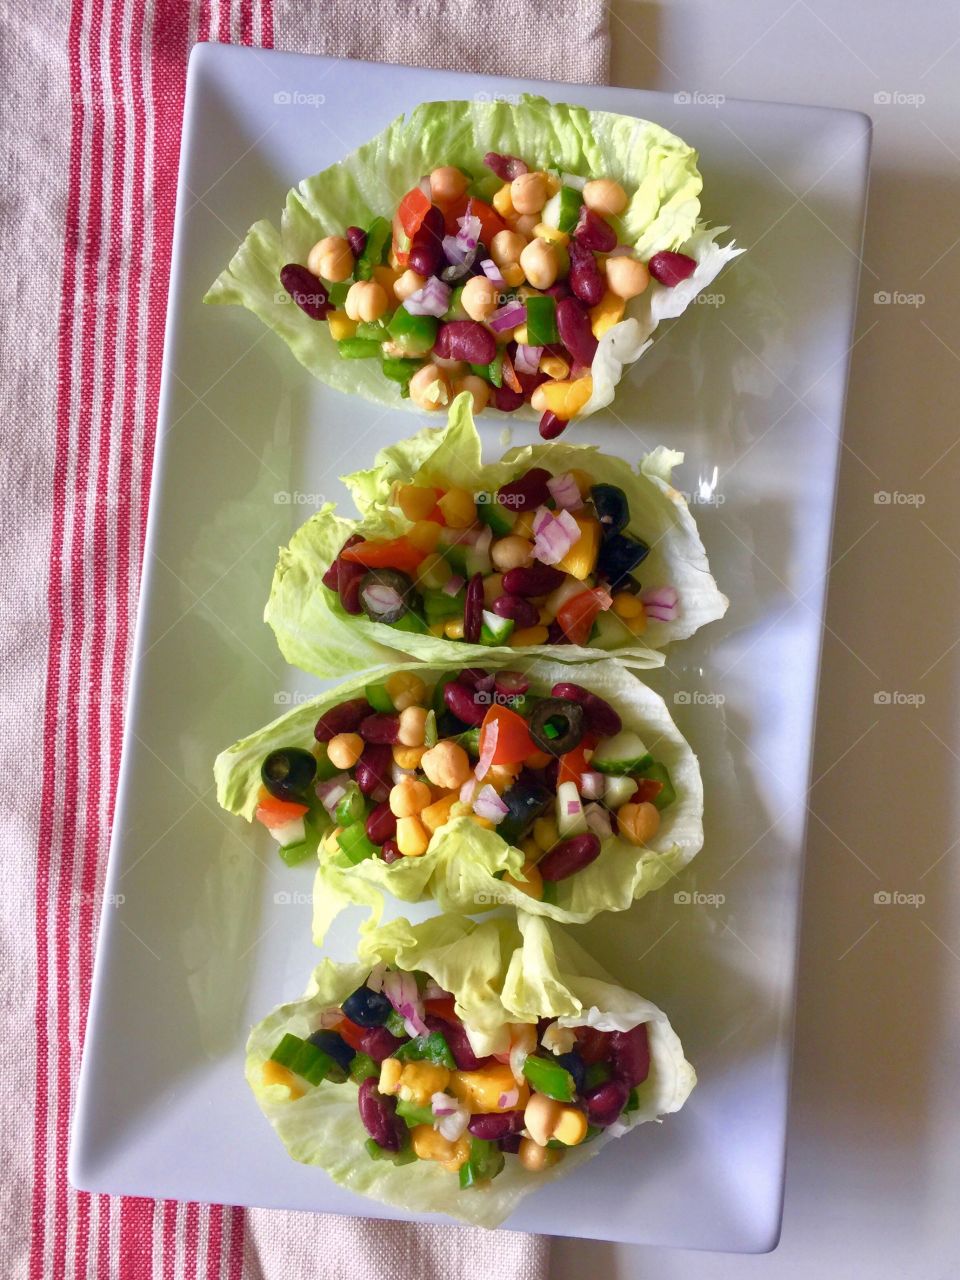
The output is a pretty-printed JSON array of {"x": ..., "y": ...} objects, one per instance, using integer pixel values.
[
  {"x": 277, "y": 813},
  {"x": 514, "y": 743},
  {"x": 592, "y": 1045},
  {"x": 350, "y": 1032},
  {"x": 578, "y": 615},
  {"x": 442, "y": 1007},
  {"x": 401, "y": 243},
  {"x": 490, "y": 220},
  {"x": 396, "y": 553},
  {"x": 412, "y": 211},
  {"x": 538, "y": 759},
  {"x": 647, "y": 790},
  {"x": 573, "y": 765},
  {"x": 452, "y": 210}
]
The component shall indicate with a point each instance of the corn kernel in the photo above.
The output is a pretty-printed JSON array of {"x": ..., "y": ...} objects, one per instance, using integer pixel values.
[
  {"x": 436, "y": 629},
  {"x": 554, "y": 367},
  {"x": 341, "y": 326},
  {"x": 453, "y": 628},
  {"x": 512, "y": 274},
  {"x": 425, "y": 535},
  {"x": 412, "y": 837},
  {"x": 520, "y": 335},
  {"x": 554, "y": 234},
  {"x": 571, "y": 1128},
  {"x": 607, "y": 313},
  {"x": 503, "y": 202},
  {"x": 483, "y": 1088},
  {"x": 390, "y": 1072},
  {"x": 546, "y": 833},
  {"x": 274, "y": 1073},
  {"x": 405, "y": 689},
  {"x": 528, "y": 635},
  {"x": 627, "y": 605},
  {"x": 459, "y": 509},
  {"x": 329, "y": 841},
  {"x": 416, "y": 501}
]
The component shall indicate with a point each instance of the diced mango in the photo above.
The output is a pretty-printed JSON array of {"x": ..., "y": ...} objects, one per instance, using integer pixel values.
[
  {"x": 416, "y": 501},
  {"x": 607, "y": 313},
  {"x": 482, "y": 1090},
  {"x": 341, "y": 326},
  {"x": 530, "y": 881},
  {"x": 424, "y": 535},
  {"x": 459, "y": 509},
  {"x": 527, "y": 636},
  {"x": 387, "y": 277},
  {"x": 274, "y": 1073},
  {"x": 435, "y": 815},
  {"x": 580, "y": 561},
  {"x": 565, "y": 399},
  {"x": 503, "y": 202},
  {"x": 420, "y": 1080},
  {"x": 430, "y": 1145}
]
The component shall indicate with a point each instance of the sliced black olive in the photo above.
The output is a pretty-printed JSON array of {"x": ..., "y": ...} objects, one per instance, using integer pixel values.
[
  {"x": 526, "y": 800},
  {"x": 367, "y": 1008},
  {"x": 288, "y": 772},
  {"x": 612, "y": 507},
  {"x": 386, "y": 595},
  {"x": 556, "y": 725},
  {"x": 619, "y": 556}
]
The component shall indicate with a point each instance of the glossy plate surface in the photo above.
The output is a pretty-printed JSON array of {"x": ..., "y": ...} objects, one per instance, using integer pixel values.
[{"x": 204, "y": 929}]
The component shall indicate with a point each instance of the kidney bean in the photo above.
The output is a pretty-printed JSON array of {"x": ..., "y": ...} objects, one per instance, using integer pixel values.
[
  {"x": 343, "y": 718},
  {"x": 670, "y": 268},
  {"x": 532, "y": 580},
  {"x": 379, "y": 1043},
  {"x": 381, "y": 727},
  {"x": 473, "y": 611},
  {"x": 306, "y": 290},
  {"x": 570, "y": 855},
  {"x": 521, "y": 611},
  {"x": 506, "y": 399},
  {"x": 456, "y": 1038},
  {"x": 584, "y": 279},
  {"x": 526, "y": 492},
  {"x": 530, "y": 381},
  {"x": 426, "y": 250},
  {"x": 357, "y": 240},
  {"x": 604, "y": 1102},
  {"x": 330, "y": 579},
  {"x": 556, "y": 634},
  {"x": 551, "y": 773},
  {"x": 379, "y": 1116},
  {"x": 461, "y": 702},
  {"x": 559, "y": 290},
  {"x": 510, "y": 1145},
  {"x": 373, "y": 772},
  {"x": 390, "y": 851},
  {"x": 601, "y": 717},
  {"x": 465, "y": 340},
  {"x": 496, "y": 1125},
  {"x": 505, "y": 167},
  {"x": 472, "y": 676},
  {"x": 631, "y": 1055},
  {"x": 381, "y": 824},
  {"x": 573, "y": 323},
  {"x": 594, "y": 232},
  {"x": 551, "y": 426}
]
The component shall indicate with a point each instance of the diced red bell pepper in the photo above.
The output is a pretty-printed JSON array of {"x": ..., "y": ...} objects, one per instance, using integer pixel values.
[
  {"x": 573, "y": 765},
  {"x": 578, "y": 615},
  {"x": 395, "y": 553},
  {"x": 273, "y": 812},
  {"x": 350, "y": 1032},
  {"x": 453, "y": 210},
  {"x": 442, "y": 1007},
  {"x": 514, "y": 743},
  {"x": 490, "y": 220},
  {"x": 647, "y": 790},
  {"x": 412, "y": 211}
]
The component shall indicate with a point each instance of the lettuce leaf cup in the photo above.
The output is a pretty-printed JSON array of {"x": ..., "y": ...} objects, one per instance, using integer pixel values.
[
  {"x": 455, "y": 1067},
  {"x": 477, "y": 789},
  {"x": 555, "y": 551},
  {"x": 540, "y": 244}
]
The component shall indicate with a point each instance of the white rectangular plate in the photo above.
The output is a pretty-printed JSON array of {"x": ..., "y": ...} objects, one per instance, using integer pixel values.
[{"x": 204, "y": 929}]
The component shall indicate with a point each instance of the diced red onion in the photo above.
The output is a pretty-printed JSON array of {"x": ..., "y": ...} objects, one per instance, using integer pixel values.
[
  {"x": 527, "y": 359},
  {"x": 453, "y": 585},
  {"x": 487, "y": 804},
  {"x": 469, "y": 233},
  {"x": 621, "y": 251},
  {"x": 424, "y": 185},
  {"x": 508, "y": 316},
  {"x": 661, "y": 603},
  {"x": 554, "y": 537},
  {"x": 507, "y": 1101},
  {"x": 331, "y": 792},
  {"x": 492, "y": 272},
  {"x": 467, "y": 790},
  {"x": 482, "y": 544},
  {"x": 432, "y": 300},
  {"x": 542, "y": 516},
  {"x": 382, "y": 598},
  {"x": 442, "y": 1104},
  {"x": 451, "y": 1120},
  {"x": 564, "y": 491},
  {"x": 454, "y": 251},
  {"x": 330, "y": 1018},
  {"x": 486, "y": 683},
  {"x": 598, "y": 820},
  {"x": 592, "y": 785},
  {"x": 573, "y": 180},
  {"x": 377, "y": 975}
]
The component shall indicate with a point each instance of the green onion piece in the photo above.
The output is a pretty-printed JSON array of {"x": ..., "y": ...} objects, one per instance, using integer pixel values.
[
  {"x": 406, "y": 1155},
  {"x": 633, "y": 1101}
]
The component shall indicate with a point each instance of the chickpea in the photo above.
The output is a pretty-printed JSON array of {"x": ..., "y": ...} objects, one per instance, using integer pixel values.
[
  {"x": 540, "y": 1117},
  {"x": 447, "y": 765},
  {"x": 506, "y": 247},
  {"x": 331, "y": 258},
  {"x": 366, "y": 300},
  {"x": 511, "y": 552},
  {"x": 479, "y": 389},
  {"x": 492, "y": 588},
  {"x": 526, "y": 223},
  {"x": 626, "y": 277},
  {"x": 412, "y": 725},
  {"x": 412, "y": 838},
  {"x": 344, "y": 750},
  {"x": 535, "y": 1158},
  {"x": 430, "y": 388},
  {"x": 408, "y": 284},
  {"x": 409, "y": 797},
  {"x": 528, "y": 192},
  {"x": 479, "y": 297},
  {"x": 540, "y": 263},
  {"x": 447, "y": 183},
  {"x": 638, "y": 823},
  {"x": 604, "y": 196}
]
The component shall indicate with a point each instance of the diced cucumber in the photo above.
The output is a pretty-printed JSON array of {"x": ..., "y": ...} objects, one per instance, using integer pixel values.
[
  {"x": 355, "y": 843},
  {"x": 658, "y": 772},
  {"x": 291, "y": 833},
  {"x": 563, "y": 210},
  {"x": 477, "y": 562},
  {"x": 498, "y": 517},
  {"x": 624, "y": 753},
  {"x": 618, "y": 791},
  {"x": 571, "y": 819},
  {"x": 494, "y": 629}
]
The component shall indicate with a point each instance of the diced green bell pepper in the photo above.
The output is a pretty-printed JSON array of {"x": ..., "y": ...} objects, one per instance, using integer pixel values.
[
  {"x": 597, "y": 1073},
  {"x": 362, "y": 1068},
  {"x": 633, "y": 1101},
  {"x": 358, "y": 348},
  {"x": 414, "y": 1114},
  {"x": 378, "y": 236},
  {"x": 411, "y": 621},
  {"x": 406, "y": 1155},
  {"x": 455, "y": 311},
  {"x": 352, "y": 807},
  {"x": 305, "y": 1059},
  {"x": 658, "y": 772},
  {"x": 470, "y": 741},
  {"x": 542, "y": 321},
  {"x": 355, "y": 843},
  {"x": 429, "y": 1048},
  {"x": 325, "y": 768},
  {"x": 413, "y": 335},
  {"x": 399, "y": 370},
  {"x": 484, "y": 1163},
  {"x": 337, "y": 293},
  {"x": 374, "y": 329},
  {"x": 549, "y": 1078},
  {"x": 378, "y": 697},
  {"x": 394, "y": 1024},
  {"x": 495, "y": 630}
]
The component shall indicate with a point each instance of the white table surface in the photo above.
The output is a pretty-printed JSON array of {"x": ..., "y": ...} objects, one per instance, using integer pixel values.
[{"x": 874, "y": 1155}]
